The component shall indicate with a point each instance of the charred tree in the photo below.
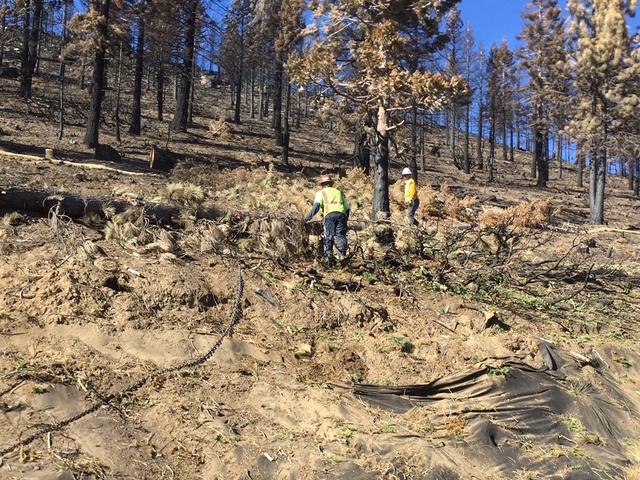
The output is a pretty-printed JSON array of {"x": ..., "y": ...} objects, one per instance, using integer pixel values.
[
  {"x": 180, "y": 117},
  {"x": 96, "y": 89}
]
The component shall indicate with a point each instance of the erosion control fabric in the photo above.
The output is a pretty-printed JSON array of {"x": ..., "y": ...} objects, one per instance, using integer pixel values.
[{"x": 575, "y": 418}]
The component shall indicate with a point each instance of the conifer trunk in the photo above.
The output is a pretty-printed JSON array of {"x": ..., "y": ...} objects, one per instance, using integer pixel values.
[
  {"x": 380, "y": 164},
  {"x": 180, "y": 117},
  {"x": 97, "y": 79},
  {"x": 276, "y": 122},
  {"x": 160, "y": 92}
]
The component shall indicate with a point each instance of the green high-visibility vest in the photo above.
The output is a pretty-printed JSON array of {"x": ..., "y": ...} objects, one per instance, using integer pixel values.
[{"x": 332, "y": 201}]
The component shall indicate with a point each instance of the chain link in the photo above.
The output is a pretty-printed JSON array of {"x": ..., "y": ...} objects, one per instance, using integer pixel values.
[{"x": 236, "y": 315}]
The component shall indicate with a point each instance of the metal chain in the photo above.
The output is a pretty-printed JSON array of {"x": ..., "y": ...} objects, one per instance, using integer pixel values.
[{"x": 236, "y": 315}]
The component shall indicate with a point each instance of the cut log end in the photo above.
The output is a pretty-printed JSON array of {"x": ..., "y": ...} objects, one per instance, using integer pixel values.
[{"x": 162, "y": 160}]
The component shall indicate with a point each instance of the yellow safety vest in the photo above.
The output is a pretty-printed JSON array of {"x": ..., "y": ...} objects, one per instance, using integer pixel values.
[
  {"x": 410, "y": 190},
  {"x": 332, "y": 200}
]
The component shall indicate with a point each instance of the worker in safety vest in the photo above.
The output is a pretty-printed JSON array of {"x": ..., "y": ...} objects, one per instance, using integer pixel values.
[
  {"x": 335, "y": 208},
  {"x": 410, "y": 196}
]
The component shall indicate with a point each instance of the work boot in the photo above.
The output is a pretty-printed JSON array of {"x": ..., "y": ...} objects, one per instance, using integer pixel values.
[{"x": 327, "y": 260}]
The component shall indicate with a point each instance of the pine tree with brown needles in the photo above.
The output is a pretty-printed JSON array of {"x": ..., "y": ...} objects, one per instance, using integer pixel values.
[
  {"x": 607, "y": 72},
  {"x": 360, "y": 54}
]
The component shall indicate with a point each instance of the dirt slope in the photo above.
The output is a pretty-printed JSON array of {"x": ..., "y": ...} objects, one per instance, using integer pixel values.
[{"x": 458, "y": 307}]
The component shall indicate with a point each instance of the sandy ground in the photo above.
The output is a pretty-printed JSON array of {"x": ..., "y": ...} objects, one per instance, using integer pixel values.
[{"x": 83, "y": 317}]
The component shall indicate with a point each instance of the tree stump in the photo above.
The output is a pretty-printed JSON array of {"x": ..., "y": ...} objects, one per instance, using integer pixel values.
[
  {"x": 162, "y": 160},
  {"x": 107, "y": 152}
]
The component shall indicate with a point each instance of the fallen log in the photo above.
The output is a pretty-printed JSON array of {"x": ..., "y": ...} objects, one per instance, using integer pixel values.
[
  {"x": 76, "y": 206},
  {"x": 54, "y": 161}
]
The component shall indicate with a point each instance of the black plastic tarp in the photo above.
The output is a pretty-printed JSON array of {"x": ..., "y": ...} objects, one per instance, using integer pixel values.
[{"x": 577, "y": 417}]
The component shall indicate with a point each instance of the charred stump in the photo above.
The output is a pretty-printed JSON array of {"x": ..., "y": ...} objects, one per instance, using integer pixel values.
[
  {"x": 107, "y": 152},
  {"x": 162, "y": 160}
]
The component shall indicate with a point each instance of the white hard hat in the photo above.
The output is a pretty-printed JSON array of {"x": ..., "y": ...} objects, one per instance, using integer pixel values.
[{"x": 406, "y": 171}]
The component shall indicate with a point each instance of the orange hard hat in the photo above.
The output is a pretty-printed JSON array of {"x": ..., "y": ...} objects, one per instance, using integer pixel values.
[{"x": 324, "y": 179}]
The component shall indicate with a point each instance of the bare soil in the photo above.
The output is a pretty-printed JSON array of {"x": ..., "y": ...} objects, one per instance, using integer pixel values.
[{"x": 84, "y": 315}]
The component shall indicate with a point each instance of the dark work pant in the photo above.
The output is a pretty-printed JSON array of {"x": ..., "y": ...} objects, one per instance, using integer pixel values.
[
  {"x": 411, "y": 211},
  {"x": 335, "y": 226}
]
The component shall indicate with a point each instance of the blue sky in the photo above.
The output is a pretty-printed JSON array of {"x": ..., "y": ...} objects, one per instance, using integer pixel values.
[{"x": 493, "y": 20}]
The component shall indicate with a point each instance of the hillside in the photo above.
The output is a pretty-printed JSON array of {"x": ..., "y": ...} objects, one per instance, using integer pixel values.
[{"x": 496, "y": 341}]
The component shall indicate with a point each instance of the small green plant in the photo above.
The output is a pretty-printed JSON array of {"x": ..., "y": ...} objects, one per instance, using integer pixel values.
[
  {"x": 22, "y": 362},
  {"x": 576, "y": 389},
  {"x": 498, "y": 371},
  {"x": 401, "y": 343},
  {"x": 149, "y": 402},
  {"x": 221, "y": 437},
  {"x": 353, "y": 377},
  {"x": 358, "y": 335},
  {"x": 572, "y": 423},
  {"x": 582, "y": 436},
  {"x": 269, "y": 277},
  {"x": 388, "y": 427},
  {"x": 39, "y": 389},
  {"x": 347, "y": 430},
  {"x": 426, "y": 428},
  {"x": 580, "y": 453},
  {"x": 283, "y": 436}
]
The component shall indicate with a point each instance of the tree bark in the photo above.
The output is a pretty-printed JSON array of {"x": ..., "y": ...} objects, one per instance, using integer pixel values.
[
  {"x": 3, "y": 25},
  {"x": 596, "y": 187},
  {"x": 97, "y": 83},
  {"x": 362, "y": 151},
  {"x": 277, "y": 103},
  {"x": 559, "y": 155},
  {"x": 160, "y": 92},
  {"x": 75, "y": 206},
  {"x": 542, "y": 162},
  {"x": 479, "y": 138},
  {"x": 31, "y": 38},
  {"x": 580, "y": 161},
  {"x": 286, "y": 130},
  {"x": 62, "y": 70},
  {"x": 180, "y": 117},
  {"x": 380, "y": 163}
]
